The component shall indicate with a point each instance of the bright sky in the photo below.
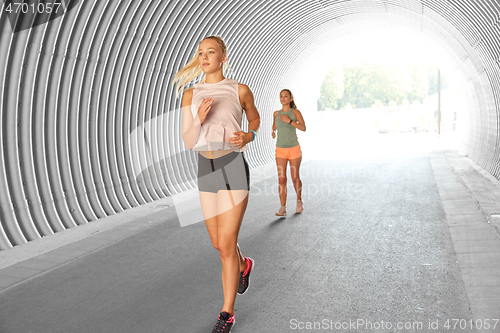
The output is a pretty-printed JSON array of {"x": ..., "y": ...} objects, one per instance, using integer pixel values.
[{"x": 398, "y": 46}]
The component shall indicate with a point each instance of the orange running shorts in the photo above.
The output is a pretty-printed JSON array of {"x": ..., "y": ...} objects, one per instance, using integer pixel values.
[{"x": 289, "y": 153}]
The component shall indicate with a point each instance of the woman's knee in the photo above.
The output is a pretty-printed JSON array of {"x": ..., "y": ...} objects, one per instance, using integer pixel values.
[
  {"x": 282, "y": 180},
  {"x": 227, "y": 251}
]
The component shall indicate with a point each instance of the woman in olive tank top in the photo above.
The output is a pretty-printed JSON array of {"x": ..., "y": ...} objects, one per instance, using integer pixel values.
[{"x": 286, "y": 122}]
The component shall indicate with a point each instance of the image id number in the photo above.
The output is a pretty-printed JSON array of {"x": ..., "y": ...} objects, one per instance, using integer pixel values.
[
  {"x": 454, "y": 324},
  {"x": 39, "y": 8}
]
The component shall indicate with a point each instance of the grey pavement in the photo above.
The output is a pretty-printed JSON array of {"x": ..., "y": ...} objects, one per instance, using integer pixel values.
[{"x": 400, "y": 242}]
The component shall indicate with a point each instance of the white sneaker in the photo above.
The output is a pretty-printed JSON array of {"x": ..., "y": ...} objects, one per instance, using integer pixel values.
[
  {"x": 300, "y": 207},
  {"x": 281, "y": 212}
]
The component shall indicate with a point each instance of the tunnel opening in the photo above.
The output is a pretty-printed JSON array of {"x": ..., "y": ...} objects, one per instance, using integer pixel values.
[{"x": 355, "y": 132}]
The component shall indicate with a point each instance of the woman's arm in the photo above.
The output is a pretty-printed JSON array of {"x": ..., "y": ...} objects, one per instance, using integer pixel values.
[
  {"x": 300, "y": 124},
  {"x": 274, "y": 124},
  {"x": 248, "y": 104},
  {"x": 191, "y": 127},
  {"x": 253, "y": 117}
]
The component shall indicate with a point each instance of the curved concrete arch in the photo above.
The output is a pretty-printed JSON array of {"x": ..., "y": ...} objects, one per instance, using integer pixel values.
[{"x": 91, "y": 124}]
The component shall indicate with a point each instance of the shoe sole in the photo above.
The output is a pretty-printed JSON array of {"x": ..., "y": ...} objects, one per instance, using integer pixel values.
[{"x": 253, "y": 266}]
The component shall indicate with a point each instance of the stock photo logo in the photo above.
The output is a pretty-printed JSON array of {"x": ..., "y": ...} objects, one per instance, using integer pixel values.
[{"x": 24, "y": 15}]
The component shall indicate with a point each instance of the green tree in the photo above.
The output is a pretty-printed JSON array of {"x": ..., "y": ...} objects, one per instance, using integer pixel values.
[
  {"x": 363, "y": 85},
  {"x": 332, "y": 89},
  {"x": 369, "y": 82}
]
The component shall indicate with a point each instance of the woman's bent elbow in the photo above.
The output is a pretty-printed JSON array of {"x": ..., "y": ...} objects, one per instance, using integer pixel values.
[{"x": 188, "y": 145}]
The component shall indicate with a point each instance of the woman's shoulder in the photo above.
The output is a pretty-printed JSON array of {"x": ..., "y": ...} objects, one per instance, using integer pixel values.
[
  {"x": 187, "y": 96},
  {"x": 244, "y": 90},
  {"x": 242, "y": 87},
  {"x": 188, "y": 92}
]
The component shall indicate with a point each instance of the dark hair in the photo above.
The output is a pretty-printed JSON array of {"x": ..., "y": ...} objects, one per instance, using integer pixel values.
[{"x": 292, "y": 103}]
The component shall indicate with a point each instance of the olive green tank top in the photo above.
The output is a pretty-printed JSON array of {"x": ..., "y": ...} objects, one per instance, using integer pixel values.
[{"x": 287, "y": 135}]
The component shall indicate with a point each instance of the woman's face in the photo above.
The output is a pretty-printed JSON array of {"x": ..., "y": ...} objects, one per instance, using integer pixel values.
[
  {"x": 210, "y": 57},
  {"x": 285, "y": 98}
]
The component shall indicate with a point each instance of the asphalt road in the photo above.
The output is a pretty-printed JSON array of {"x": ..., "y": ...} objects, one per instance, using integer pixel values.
[{"x": 370, "y": 253}]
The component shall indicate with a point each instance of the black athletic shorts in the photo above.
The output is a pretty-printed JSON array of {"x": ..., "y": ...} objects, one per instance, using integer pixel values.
[{"x": 228, "y": 172}]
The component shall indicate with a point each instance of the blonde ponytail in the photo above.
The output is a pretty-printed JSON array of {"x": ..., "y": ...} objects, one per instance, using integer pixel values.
[
  {"x": 187, "y": 74},
  {"x": 192, "y": 69}
]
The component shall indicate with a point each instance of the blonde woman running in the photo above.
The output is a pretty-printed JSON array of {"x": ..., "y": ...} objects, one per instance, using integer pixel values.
[
  {"x": 211, "y": 124},
  {"x": 286, "y": 122}
]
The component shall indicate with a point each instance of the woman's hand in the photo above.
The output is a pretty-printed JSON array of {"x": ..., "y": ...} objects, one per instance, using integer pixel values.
[
  {"x": 204, "y": 109},
  {"x": 274, "y": 135},
  {"x": 285, "y": 118},
  {"x": 240, "y": 140}
]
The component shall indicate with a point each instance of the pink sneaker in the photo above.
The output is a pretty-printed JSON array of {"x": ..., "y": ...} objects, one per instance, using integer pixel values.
[
  {"x": 245, "y": 277},
  {"x": 224, "y": 323}
]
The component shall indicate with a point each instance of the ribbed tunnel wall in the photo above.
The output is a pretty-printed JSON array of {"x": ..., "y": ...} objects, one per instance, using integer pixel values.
[{"x": 90, "y": 123}]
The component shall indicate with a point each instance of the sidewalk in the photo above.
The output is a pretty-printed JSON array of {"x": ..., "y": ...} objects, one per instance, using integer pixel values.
[{"x": 471, "y": 201}]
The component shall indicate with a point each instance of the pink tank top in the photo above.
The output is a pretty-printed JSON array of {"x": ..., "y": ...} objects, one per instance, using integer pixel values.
[{"x": 223, "y": 119}]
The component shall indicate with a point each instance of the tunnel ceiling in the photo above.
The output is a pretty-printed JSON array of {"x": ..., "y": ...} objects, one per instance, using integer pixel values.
[{"x": 90, "y": 123}]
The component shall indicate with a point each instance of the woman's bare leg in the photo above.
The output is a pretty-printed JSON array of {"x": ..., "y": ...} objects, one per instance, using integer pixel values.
[
  {"x": 281, "y": 163},
  {"x": 208, "y": 201},
  {"x": 223, "y": 228},
  {"x": 229, "y": 221},
  {"x": 294, "y": 171},
  {"x": 243, "y": 262}
]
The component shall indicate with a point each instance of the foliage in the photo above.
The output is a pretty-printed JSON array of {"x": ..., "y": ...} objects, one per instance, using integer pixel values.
[{"x": 371, "y": 84}]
